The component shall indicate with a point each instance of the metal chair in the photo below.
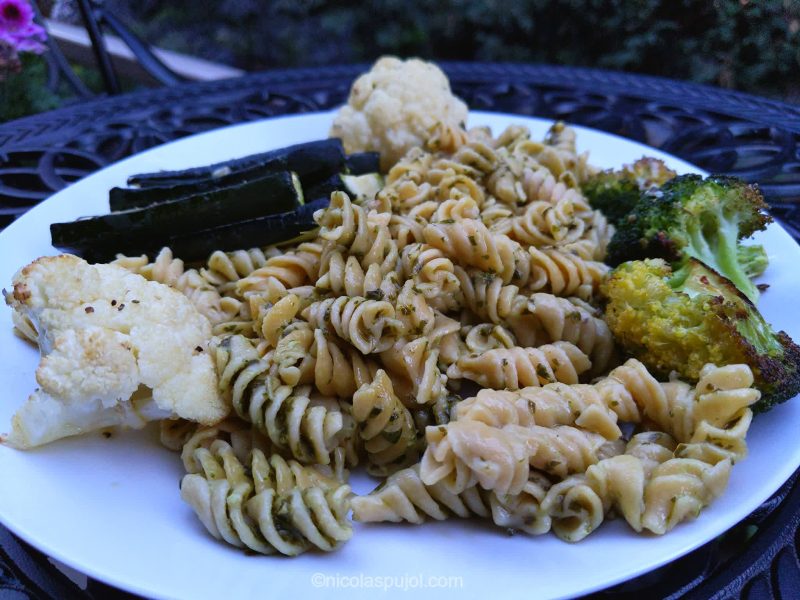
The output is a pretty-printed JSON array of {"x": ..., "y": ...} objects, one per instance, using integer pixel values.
[{"x": 96, "y": 17}]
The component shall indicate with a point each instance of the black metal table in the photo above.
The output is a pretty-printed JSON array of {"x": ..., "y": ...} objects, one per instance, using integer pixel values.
[{"x": 725, "y": 132}]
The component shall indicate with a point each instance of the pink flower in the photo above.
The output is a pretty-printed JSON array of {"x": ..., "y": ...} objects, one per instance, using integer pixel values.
[
  {"x": 15, "y": 15},
  {"x": 18, "y": 29}
]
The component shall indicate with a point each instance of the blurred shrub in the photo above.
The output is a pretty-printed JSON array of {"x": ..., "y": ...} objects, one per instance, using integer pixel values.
[{"x": 748, "y": 45}]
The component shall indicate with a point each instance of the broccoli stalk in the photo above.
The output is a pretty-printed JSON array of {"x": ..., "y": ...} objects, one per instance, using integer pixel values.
[
  {"x": 691, "y": 217},
  {"x": 753, "y": 259},
  {"x": 681, "y": 320}
]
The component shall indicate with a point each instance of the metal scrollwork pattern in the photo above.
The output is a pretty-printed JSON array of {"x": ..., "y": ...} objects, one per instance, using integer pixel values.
[{"x": 720, "y": 131}]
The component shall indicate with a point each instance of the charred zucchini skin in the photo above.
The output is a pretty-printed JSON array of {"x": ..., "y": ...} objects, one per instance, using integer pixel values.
[
  {"x": 312, "y": 161},
  {"x": 128, "y": 198},
  {"x": 263, "y": 231},
  {"x": 198, "y": 245},
  {"x": 139, "y": 229},
  {"x": 323, "y": 189},
  {"x": 361, "y": 163}
]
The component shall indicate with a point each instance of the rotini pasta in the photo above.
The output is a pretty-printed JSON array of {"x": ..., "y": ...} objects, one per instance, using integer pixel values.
[
  {"x": 515, "y": 368},
  {"x": 432, "y": 273},
  {"x": 344, "y": 275},
  {"x": 484, "y": 337},
  {"x": 292, "y": 268},
  {"x": 370, "y": 325},
  {"x": 339, "y": 370},
  {"x": 547, "y": 406},
  {"x": 466, "y": 453},
  {"x": 295, "y": 420},
  {"x": 564, "y": 274},
  {"x": 679, "y": 488},
  {"x": 548, "y": 223},
  {"x": 404, "y": 497},
  {"x": 472, "y": 244},
  {"x": 224, "y": 269},
  {"x": 715, "y": 410},
  {"x": 562, "y": 319},
  {"x": 469, "y": 452},
  {"x": 385, "y": 426},
  {"x": 364, "y": 235},
  {"x": 272, "y": 506},
  {"x": 574, "y": 507}
]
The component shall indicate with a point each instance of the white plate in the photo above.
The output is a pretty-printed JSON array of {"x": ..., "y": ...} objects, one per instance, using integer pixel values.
[{"x": 111, "y": 508}]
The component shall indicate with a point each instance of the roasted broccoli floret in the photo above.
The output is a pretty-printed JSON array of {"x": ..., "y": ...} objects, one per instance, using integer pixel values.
[
  {"x": 753, "y": 259},
  {"x": 679, "y": 321},
  {"x": 693, "y": 217},
  {"x": 616, "y": 192}
]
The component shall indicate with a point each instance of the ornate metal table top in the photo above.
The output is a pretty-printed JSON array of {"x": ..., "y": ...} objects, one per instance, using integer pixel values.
[{"x": 725, "y": 132}]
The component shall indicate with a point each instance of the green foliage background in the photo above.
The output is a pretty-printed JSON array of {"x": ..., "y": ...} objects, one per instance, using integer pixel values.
[
  {"x": 750, "y": 45},
  {"x": 25, "y": 92}
]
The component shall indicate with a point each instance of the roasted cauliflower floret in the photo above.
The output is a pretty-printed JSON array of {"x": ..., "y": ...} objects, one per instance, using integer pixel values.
[
  {"x": 399, "y": 105},
  {"x": 116, "y": 350}
]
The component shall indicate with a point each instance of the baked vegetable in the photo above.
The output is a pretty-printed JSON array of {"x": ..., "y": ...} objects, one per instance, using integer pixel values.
[
  {"x": 679, "y": 321},
  {"x": 692, "y": 217},
  {"x": 137, "y": 230},
  {"x": 361, "y": 163},
  {"x": 309, "y": 160},
  {"x": 616, "y": 192},
  {"x": 261, "y": 231},
  {"x": 116, "y": 350}
]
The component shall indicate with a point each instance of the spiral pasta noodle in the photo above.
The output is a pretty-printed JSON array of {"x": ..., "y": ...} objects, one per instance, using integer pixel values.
[
  {"x": 546, "y": 223},
  {"x": 574, "y": 508},
  {"x": 455, "y": 210},
  {"x": 487, "y": 297},
  {"x": 385, "y": 426},
  {"x": 472, "y": 244},
  {"x": 344, "y": 275},
  {"x": 515, "y": 368},
  {"x": 679, "y": 489},
  {"x": 463, "y": 454},
  {"x": 432, "y": 273},
  {"x": 547, "y": 406},
  {"x": 563, "y": 274},
  {"x": 404, "y": 497},
  {"x": 417, "y": 362},
  {"x": 715, "y": 410},
  {"x": 293, "y": 268},
  {"x": 675, "y": 490},
  {"x": 305, "y": 355},
  {"x": 363, "y": 235},
  {"x": 272, "y": 506},
  {"x": 224, "y": 269},
  {"x": 242, "y": 439},
  {"x": 339, "y": 371},
  {"x": 561, "y": 319},
  {"x": 296, "y": 421},
  {"x": 292, "y": 360},
  {"x": 484, "y": 337},
  {"x": 370, "y": 325}
]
